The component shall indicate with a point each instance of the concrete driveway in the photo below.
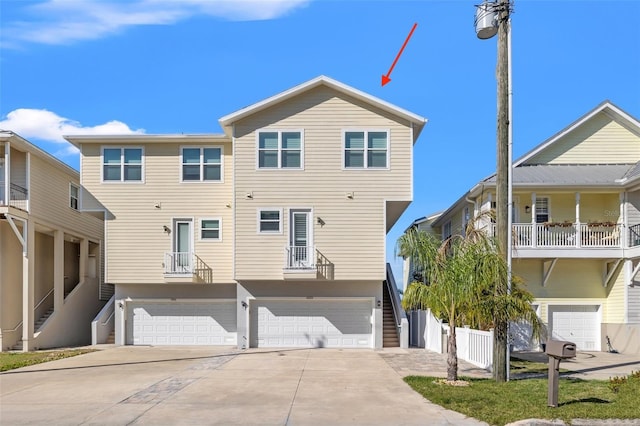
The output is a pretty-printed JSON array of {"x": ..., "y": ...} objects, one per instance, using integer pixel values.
[{"x": 209, "y": 385}]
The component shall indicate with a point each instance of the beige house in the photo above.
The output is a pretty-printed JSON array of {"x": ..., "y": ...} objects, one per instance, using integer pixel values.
[
  {"x": 576, "y": 229},
  {"x": 271, "y": 234},
  {"x": 50, "y": 252}
]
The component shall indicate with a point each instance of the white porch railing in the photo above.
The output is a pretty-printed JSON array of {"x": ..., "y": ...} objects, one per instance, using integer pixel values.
[
  {"x": 300, "y": 257},
  {"x": 527, "y": 235},
  {"x": 18, "y": 196},
  {"x": 187, "y": 263},
  {"x": 178, "y": 263}
]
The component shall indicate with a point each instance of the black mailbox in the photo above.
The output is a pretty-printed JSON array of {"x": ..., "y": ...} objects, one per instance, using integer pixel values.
[
  {"x": 557, "y": 350},
  {"x": 561, "y": 349}
]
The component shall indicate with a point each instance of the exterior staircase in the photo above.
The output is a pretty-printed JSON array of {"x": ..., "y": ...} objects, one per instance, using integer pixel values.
[
  {"x": 111, "y": 339},
  {"x": 18, "y": 346},
  {"x": 42, "y": 319},
  {"x": 389, "y": 328}
]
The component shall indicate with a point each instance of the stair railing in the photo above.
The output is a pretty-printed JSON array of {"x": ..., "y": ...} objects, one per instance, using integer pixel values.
[
  {"x": 43, "y": 299},
  {"x": 402, "y": 324}
]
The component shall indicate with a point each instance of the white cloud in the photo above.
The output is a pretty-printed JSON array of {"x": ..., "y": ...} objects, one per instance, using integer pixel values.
[
  {"x": 50, "y": 127},
  {"x": 68, "y": 21}
]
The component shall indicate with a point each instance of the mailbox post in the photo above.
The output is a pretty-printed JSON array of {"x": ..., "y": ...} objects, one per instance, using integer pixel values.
[{"x": 557, "y": 351}]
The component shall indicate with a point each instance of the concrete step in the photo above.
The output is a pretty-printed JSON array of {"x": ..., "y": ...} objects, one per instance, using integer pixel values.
[{"x": 112, "y": 338}]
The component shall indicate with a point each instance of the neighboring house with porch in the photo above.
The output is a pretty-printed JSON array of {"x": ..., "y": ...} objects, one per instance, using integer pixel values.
[
  {"x": 49, "y": 251},
  {"x": 576, "y": 229},
  {"x": 271, "y": 234}
]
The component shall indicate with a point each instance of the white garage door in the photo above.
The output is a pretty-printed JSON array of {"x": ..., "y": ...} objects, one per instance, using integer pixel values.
[
  {"x": 576, "y": 323},
  {"x": 180, "y": 323},
  {"x": 311, "y": 323}
]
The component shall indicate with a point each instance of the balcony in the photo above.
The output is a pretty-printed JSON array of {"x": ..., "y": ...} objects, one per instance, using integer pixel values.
[
  {"x": 305, "y": 262},
  {"x": 542, "y": 235},
  {"x": 186, "y": 267},
  {"x": 18, "y": 196}
]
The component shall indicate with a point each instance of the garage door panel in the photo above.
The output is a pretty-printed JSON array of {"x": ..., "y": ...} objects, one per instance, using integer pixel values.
[
  {"x": 311, "y": 323},
  {"x": 157, "y": 323},
  {"x": 575, "y": 323}
]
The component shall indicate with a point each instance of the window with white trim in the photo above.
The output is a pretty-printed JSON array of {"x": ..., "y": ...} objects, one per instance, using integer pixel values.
[
  {"x": 542, "y": 209},
  {"x": 280, "y": 149},
  {"x": 211, "y": 229},
  {"x": 466, "y": 217},
  {"x": 122, "y": 164},
  {"x": 202, "y": 164},
  {"x": 270, "y": 221},
  {"x": 446, "y": 230},
  {"x": 366, "y": 149},
  {"x": 74, "y": 196}
]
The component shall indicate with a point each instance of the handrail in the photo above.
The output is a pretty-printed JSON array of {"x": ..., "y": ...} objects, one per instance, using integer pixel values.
[
  {"x": 43, "y": 299},
  {"x": 203, "y": 270},
  {"x": 398, "y": 313},
  {"x": 105, "y": 322},
  {"x": 12, "y": 330},
  {"x": 634, "y": 235}
]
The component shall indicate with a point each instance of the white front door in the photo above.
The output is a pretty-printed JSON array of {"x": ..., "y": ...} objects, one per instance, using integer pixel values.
[
  {"x": 182, "y": 245},
  {"x": 301, "y": 255}
]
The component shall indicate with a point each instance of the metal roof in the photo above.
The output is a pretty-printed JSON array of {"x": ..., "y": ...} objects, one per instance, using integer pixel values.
[
  {"x": 569, "y": 174},
  {"x": 633, "y": 171}
]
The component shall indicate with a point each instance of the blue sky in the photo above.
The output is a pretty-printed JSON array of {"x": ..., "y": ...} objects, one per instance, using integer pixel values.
[{"x": 166, "y": 66}]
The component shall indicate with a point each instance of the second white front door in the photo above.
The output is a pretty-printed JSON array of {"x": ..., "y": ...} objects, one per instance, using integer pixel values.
[
  {"x": 300, "y": 239},
  {"x": 182, "y": 244}
]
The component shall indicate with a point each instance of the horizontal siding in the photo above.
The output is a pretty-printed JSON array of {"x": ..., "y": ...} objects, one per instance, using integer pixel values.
[
  {"x": 594, "y": 207},
  {"x": 634, "y": 301},
  {"x": 633, "y": 208},
  {"x": 18, "y": 168},
  {"x": 570, "y": 278},
  {"x": 352, "y": 237},
  {"x": 599, "y": 141},
  {"x": 354, "y": 232},
  {"x": 615, "y": 301},
  {"x": 136, "y": 241},
  {"x": 49, "y": 201}
]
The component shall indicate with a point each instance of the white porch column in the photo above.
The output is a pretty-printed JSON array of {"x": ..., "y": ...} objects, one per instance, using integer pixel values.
[
  {"x": 7, "y": 172},
  {"x": 84, "y": 259},
  {"x": 578, "y": 226},
  {"x": 534, "y": 227},
  {"x": 58, "y": 269},
  {"x": 621, "y": 221},
  {"x": 28, "y": 274}
]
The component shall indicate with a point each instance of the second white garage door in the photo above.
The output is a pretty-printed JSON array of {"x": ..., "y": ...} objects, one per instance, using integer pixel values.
[
  {"x": 576, "y": 323},
  {"x": 182, "y": 323},
  {"x": 312, "y": 323}
]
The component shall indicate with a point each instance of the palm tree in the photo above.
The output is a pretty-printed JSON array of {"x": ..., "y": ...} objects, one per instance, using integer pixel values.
[{"x": 461, "y": 278}]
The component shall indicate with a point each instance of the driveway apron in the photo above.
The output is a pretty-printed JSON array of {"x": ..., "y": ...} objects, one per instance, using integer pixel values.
[{"x": 213, "y": 385}]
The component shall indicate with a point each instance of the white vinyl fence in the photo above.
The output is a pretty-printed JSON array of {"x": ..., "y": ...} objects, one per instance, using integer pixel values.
[{"x": 474, "y": 346}]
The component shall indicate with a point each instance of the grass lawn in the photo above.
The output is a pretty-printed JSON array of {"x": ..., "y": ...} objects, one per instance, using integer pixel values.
[
  {"x": 11, "y": 360},
  {"x": 502, "y": 403}
]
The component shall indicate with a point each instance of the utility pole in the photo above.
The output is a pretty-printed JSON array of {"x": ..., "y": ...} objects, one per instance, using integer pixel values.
[{"x": 503, "y": 200}]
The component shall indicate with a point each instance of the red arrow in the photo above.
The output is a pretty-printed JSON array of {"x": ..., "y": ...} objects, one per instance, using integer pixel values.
[{"x": 385, "y": 78}]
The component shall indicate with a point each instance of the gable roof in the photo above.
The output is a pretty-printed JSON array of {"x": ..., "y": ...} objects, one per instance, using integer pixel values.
[
  {"x": 605, "y": 107},
  {"x": 23, "y": 144},
  {"x": 229, "y": 119}
]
